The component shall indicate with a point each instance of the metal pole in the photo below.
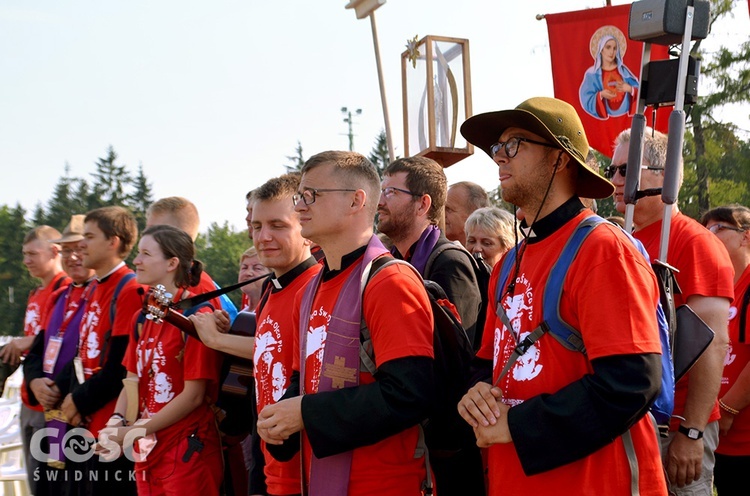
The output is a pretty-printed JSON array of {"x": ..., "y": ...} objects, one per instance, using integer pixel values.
[
  {"x": 675, "y": 139},
  {"x": 388, "y": 136}
]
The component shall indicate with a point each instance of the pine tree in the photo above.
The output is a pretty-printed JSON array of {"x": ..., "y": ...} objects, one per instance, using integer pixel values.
[
  {"x": 297, "y": 160},
  {"x": 110, "y": 181},
  {"x": 62, "y": 205},
  {"x": 379, "y": 155},
  {"x": 141, "y": 197}
]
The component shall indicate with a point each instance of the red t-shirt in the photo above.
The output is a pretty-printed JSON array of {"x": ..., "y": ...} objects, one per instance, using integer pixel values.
[
  {"x": 36, "y": 308},
  {"x": 273, "y": 359},
  {"x": 394, "y": 302},
  {"x": 610, "y": 296},
  {"x": 737, "y": 441},
  {"x": 95, "y": 324},
  {"x": 163, "y": 359},
  {"x": 704, "y": 269}
]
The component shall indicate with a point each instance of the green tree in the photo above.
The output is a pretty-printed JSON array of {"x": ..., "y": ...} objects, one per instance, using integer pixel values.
[
  {"x": 110, "y": 181},
  {"x": 62, "y": 204},
  {"x": 729, "y": 73},
  {"x": 220, "y": 250},
  {"x": 379, "y": 154},
  {"x": 141, "y": 197},
  {"x": 15, "y": 281},
  {"x": 296, "y": 161}
]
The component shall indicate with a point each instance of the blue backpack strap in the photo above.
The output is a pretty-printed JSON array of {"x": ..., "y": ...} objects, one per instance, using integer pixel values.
[
  {"x": 561, "y": 330},
  {"x": 502, "y": 282},
  {"x": 113, "y": 302}
]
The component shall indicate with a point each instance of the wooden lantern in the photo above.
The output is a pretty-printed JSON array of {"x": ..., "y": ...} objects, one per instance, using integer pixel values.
[{"x": 436, "y": 86}]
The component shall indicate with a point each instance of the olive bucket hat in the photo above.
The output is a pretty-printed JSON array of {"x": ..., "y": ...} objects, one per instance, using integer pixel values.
[
  {"x": 73, "y": 231},
  {"x": 552, "y": 119}
]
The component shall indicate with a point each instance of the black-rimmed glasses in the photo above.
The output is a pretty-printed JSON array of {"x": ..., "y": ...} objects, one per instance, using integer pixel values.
[
  {"x": 308, "y": 195},
  {"x": 391, "y": 190},
  {"x": 716, "y": 228},
  {"x": 609, "y": 172},
  {"x": 68, "y": 252},
  {"x": 511, "y": 146}
]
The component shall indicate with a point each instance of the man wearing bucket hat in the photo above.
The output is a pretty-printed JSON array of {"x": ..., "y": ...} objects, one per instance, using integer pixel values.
[
  {"x": 54, "y": 348},
  {"x": 554, "y": 422}
]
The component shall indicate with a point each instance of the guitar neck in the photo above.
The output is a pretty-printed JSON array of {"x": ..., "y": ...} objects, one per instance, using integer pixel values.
[{"x": 181, "y": 322}]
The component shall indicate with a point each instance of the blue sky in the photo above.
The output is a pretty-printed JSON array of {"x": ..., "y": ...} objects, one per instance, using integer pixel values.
[{"x": 211, "y": 97}]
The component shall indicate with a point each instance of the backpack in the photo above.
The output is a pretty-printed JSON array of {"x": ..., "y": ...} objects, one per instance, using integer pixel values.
[
  {"x": 570, "y": 337},
  {"x": 444, "y": 430},
  {"x": 482, "y": 272}
]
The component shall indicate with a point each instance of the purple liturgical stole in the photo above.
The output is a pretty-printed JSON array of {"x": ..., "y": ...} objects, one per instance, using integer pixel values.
[
  {"x": 329, "y": 476},
  {"x": 423, "y": 248},
  {"x": 67, "y": 352}
]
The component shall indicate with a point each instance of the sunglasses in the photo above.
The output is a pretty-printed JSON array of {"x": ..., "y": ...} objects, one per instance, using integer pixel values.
[
  {"x": 716, "y": 228},
  {"x": 609, "y": 172}
]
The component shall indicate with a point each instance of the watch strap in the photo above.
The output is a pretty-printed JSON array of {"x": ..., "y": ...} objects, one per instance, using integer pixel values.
[{"x": 690, "y": 432}]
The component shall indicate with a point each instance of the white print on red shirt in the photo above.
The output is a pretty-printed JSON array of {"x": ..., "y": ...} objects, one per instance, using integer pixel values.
[
  {"x": 89, "y": 340},
  {"x": 520, "y": 312},
  {"x": 269, "y": 370},
  {"x": 32, "y": 323},
  {"x": 316, "y": 341}
]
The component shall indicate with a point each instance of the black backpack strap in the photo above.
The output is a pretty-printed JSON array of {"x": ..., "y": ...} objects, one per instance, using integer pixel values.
[
  {"x": 440, "y": 248},
  {"x": 743, "y": 315}
]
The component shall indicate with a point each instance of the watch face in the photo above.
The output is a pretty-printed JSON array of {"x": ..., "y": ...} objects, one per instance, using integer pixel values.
[{"x": 693, "y": 433}]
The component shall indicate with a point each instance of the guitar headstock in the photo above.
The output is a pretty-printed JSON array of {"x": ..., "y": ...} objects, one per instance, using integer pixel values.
[{"x": 158, "y": 303}]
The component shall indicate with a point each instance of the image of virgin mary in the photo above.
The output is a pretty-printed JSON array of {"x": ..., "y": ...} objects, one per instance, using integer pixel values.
[{"x": 609, "y": 87}]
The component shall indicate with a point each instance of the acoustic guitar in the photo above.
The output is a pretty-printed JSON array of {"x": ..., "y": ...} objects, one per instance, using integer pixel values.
[{"x": 237, "y": 372}]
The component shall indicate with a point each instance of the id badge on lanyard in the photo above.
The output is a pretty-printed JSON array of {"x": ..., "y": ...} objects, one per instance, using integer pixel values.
[{"x": 51, "y": 354}]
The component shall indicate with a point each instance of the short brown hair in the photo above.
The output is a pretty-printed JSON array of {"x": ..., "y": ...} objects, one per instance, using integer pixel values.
[
  {"x": 177, "y": 243},
  {"x": 277, "y": 188},
  {"x": 424, "y": 176},
  {"x": 356, "y": 170},
  {"x": 116, "y": 221},
  {"x": 43, "y": 233},
  {"x": 734, "y": 215},
  {"x": 183, "y": 212}
]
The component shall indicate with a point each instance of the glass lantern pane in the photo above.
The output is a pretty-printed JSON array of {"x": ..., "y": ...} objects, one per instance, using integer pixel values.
[{"x": 449, "y": 91}]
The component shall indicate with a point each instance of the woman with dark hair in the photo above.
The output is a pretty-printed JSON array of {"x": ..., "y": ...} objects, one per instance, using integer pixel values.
[
  {"x": 731, "y": 224},
  {"x": 177, "y": 448}
]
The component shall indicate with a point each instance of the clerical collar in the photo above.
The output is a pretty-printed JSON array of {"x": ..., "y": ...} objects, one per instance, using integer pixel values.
[
  {"x": 285, "y": 279},
  {"x": 115, "y": 269},
  {"x": 84, "y": 283},
  {"x": 543, "y": 228},
  {"x": 346, "y": 261}
]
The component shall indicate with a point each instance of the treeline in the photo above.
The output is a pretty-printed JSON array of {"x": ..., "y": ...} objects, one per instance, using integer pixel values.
[{"x": 111, "y": 183}]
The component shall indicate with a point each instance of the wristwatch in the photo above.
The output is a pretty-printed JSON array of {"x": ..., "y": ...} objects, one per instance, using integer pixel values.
[{"x": 690, "y": 432}]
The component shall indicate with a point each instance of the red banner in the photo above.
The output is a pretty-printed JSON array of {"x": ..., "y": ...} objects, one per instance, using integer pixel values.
[{"x": 596, "y": 68}]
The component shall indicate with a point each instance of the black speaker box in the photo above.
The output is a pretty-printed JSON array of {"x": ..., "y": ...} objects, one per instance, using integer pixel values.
[{"x": 661, "y": 86}]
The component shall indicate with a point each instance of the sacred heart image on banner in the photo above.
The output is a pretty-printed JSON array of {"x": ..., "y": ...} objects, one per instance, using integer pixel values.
[{"x": 596, "y": 68}]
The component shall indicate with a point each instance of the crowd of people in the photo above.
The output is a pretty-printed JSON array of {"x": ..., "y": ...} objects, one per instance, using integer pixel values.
[{"x": 337, "y": 410}]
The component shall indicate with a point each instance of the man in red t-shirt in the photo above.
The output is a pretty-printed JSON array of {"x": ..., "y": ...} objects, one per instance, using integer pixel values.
[
  {"x": 705, "y": 278},
  {"x": 367, "y": 422},
  {"x": 43, "y": 261},
  {"x": 91, "y": 384},
  {"x": 281, "y": 248},
  {"x": 554, "y": 423}
]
